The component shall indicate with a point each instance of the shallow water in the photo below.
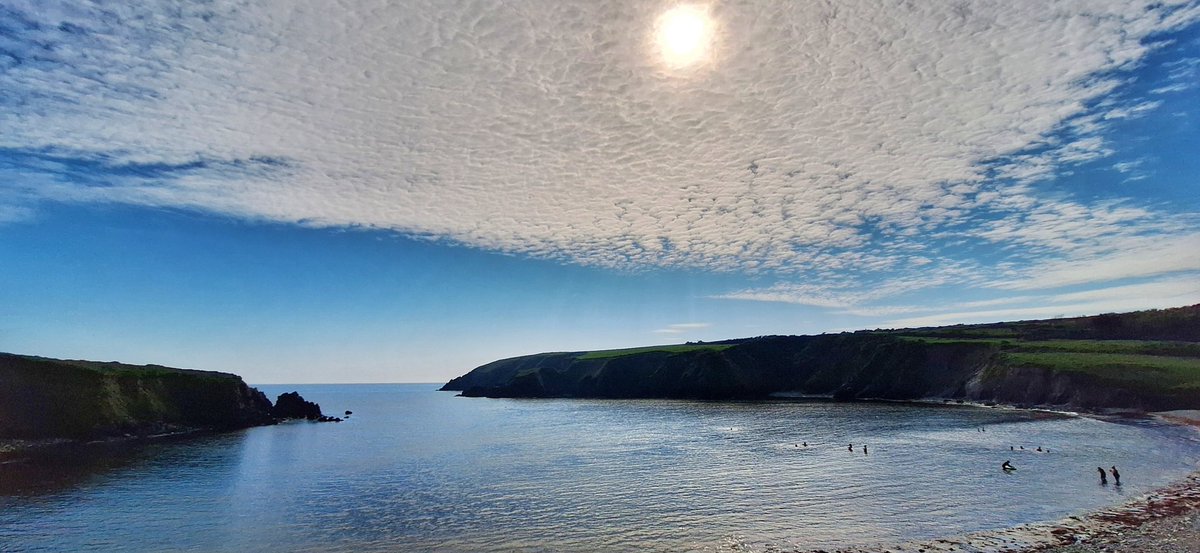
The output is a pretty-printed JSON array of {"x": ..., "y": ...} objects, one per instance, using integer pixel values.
[{"x": 419, "y": 470}]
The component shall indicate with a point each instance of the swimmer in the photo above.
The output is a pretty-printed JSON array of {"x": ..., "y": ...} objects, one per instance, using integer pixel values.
[
  {"x": 1103, "y": 476},
  {"x": 850, "y": 448},
  {"x": 1116, "y": 475}
]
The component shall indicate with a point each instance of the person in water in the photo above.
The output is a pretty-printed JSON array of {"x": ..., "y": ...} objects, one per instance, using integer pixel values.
[
  {"x": 864, "y": 450},
  {"x": 850, "y": 448},
  {"x": 805, "y": 444},
  {"x": 1116, "y": 475},
  {"x": 1007, "y": 466},
  {"x": 1103, "y": 476}
]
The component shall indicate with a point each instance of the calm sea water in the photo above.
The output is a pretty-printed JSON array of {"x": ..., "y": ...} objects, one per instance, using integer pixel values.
[{"x": 418, "y": 470}]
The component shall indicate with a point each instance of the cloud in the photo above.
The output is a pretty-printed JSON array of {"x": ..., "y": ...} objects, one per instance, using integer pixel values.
[
  {"x": 681, "y": 328},
  {"x": 825, "y": 140},
  {"x": 15, "y": 213},
  {"x": 1042, "y": 312},
  {"x": 1125, "y": 257},
  {"x": 1153, "y": 294}
]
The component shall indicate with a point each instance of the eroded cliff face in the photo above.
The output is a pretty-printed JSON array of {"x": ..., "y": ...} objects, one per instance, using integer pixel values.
[
  {"x": 47, "y": 398},
  {"x": 1037, "y": 387},
  {"x": 843, "y": 367}
]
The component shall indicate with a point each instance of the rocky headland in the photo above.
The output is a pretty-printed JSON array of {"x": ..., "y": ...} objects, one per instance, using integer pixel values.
[
  {"x": 44, "y": 399},
  {"x": 1143, "y": 361}
]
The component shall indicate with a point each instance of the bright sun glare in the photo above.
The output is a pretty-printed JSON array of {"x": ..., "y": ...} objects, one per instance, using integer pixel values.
[{"x": 684, "y": 34}]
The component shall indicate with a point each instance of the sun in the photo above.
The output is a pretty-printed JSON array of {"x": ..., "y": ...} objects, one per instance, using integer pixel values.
[{"x": 684, "y": 35}]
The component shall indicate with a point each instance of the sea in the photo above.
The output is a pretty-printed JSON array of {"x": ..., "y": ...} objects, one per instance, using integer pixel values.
[{"x": 414, "y": 469}]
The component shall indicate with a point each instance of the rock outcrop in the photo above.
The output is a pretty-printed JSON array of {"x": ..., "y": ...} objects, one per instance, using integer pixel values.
[{"x": 291, "y": 405}]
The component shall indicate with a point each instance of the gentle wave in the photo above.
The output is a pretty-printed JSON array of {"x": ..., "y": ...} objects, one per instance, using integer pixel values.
[{"x": 418, "y": 470}]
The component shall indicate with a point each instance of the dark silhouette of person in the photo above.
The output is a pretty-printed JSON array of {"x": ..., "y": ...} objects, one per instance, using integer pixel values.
[
  {"x": 1010, "y": 448},
  {"x": 1022, "y": 447},
  {"x": 1039, "y": 448},
  {"x": 1116, "y": 475},
  {"x": 1007, "y": 466},
  {"x": 864, "y": 450},
  {"x": 850, "y": 448},
  {"x": 1103, "y": 477},
  {"x": 805, "y": 444}
]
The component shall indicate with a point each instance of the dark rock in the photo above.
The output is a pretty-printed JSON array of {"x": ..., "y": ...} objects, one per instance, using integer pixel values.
[{"x": 291, "y": 406}]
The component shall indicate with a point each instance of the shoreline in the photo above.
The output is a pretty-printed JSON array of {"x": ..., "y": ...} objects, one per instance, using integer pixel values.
[{"x": 1164, "y": 520}]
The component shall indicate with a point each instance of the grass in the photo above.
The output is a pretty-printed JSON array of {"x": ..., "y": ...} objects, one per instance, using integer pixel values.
[
  {"x": 682, "y": 348},
  {"x": 969, "y": 332},
  {"x": 938, "y": 341},
  {"x": 1144, "y": 371},
  {"x": 1142, "y": 347},
  {"x": 1145, "y": 347},
  {"x": 1143, "y": 364}
]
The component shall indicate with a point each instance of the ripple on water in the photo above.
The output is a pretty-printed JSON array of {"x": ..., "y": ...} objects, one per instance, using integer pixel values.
[{"x": 420, "y": 470}]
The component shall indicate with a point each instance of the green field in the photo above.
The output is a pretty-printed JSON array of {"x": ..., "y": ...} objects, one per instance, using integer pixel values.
[
  {"x": 1144, "y": 347},
  {"x": 942, "y": 341},
  {"x": 682, "y": 348},
  {"x": 1142, "y": 364},
  {"x": 1138, "y": 370}
]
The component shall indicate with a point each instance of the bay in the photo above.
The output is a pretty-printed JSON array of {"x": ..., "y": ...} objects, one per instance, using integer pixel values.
[{"x": 414, "y": 469}]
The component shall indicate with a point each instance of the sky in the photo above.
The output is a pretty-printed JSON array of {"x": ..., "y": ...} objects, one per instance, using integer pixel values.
[{"x": 367, "y": 191}]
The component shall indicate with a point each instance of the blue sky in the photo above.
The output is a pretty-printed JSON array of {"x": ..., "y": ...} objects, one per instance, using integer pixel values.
[{"x": 400, "y": 193}]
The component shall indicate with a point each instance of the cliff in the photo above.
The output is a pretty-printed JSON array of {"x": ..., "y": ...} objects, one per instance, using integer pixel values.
[
  {"x": 1146, "y": 360},
  {"x": 50, "y": 398}
]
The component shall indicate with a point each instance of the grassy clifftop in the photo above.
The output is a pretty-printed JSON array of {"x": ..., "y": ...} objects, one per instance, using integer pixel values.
[
  {"x": 1142, "y": 360},
  {"x": 52, "y": 398}
]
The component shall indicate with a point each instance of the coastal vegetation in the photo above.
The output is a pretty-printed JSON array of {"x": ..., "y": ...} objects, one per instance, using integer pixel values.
[{"x": 1143, "y": 360}]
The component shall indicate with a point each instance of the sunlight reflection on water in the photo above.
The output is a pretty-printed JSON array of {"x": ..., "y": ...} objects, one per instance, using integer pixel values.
[{"x": 418, "y": 470}]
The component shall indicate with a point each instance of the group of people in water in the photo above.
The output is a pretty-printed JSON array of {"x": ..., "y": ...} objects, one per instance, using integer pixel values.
[
  {"x": 1006, "y": 466},
  {"x": 849, "y": 448}
]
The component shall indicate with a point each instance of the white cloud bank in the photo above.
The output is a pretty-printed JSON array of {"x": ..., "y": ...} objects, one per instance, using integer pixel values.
[
  {"x": 680, "y": 328},
  {"x": 828, "y": 140}
]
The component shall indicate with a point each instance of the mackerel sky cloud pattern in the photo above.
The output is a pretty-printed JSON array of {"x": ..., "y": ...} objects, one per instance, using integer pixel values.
[{"x": 838, "y": 149}]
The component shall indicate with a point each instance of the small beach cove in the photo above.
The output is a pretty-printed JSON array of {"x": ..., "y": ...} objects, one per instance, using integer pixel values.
[{"x": 420, "y": 470}]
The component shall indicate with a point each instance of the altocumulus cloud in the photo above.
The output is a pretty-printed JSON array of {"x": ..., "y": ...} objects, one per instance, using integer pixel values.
[{"x": 847, "y": 142}]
